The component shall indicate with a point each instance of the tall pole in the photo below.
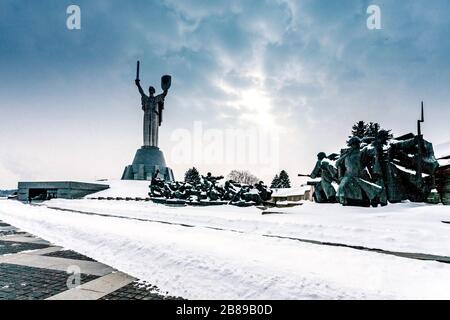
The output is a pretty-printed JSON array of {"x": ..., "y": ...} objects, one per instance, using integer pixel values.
[
  {"x": 419, "y": 146},
  {"x": 422, "y": 119},
  {"x": 137, "y": 69}
]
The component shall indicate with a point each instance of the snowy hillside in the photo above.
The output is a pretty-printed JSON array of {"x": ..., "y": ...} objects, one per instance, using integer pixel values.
[
  {"x": 124, "y": 188},
  {"x": 442, "y": 150}
]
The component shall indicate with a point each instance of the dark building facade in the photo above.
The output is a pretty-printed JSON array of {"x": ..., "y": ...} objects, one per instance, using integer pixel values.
[{"x": 58, "y": 189}]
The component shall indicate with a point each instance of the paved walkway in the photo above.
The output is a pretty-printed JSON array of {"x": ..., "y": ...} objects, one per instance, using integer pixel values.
[{"x": 34, "y": 269}]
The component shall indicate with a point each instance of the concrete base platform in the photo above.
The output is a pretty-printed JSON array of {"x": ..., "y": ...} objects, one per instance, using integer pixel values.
[{"x": 146, "y": 161}]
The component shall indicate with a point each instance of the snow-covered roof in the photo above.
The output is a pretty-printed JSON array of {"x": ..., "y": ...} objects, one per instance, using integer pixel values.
[{"x": 290, "y": 192}]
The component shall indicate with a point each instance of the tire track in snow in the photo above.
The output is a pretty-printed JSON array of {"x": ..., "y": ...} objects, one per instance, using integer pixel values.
[{"x": 408, "y": 255}]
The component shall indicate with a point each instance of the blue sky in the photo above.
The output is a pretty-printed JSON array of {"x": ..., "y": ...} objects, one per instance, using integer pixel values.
[{"x": 303, "y": 70}]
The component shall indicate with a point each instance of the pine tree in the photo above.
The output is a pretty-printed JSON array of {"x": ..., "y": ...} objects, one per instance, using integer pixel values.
[
  {"x": 359, "y": 129},
  {"x": 192, "y": 176},
  {"x": 285, "y": 182},
  {"x": 364, "y": 130},
  {"x": 372, "y": 129},
  {"x": 275, "y": 182}
]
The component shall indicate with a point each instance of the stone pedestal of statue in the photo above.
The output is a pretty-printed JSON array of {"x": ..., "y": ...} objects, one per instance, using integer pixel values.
[{"x": 146, "y": 161}]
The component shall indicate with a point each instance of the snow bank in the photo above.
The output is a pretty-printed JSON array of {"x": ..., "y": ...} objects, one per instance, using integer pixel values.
[{"x": 407, "y": 227}]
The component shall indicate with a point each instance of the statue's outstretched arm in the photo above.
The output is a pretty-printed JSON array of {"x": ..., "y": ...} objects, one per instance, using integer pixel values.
[{"x": 138, "y": 84}]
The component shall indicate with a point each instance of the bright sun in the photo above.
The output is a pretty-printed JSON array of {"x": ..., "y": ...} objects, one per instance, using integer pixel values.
[
  {"x": 253, "y": 104},
  {"x": 256, "y": 107}
]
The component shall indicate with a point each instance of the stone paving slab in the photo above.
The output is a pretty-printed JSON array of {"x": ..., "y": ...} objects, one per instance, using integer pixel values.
[
  {"x": 59, "y": 264},
  {"x": 44, "y": 251},
  {"x": 138, "y": 291},
  {"x": 10, "y": 247},
  {"x": 28, "y": 283},
  {"x": 69, "y": 254},
  {"x": 96, "y": 289},
  {"x": 24, "y": 237}
]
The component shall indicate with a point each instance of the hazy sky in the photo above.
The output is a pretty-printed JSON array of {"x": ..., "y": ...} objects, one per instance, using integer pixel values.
[{"x": 295, "y": 73}]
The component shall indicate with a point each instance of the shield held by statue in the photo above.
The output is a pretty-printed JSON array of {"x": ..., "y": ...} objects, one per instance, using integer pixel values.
[{"x": 166, "y": 82}]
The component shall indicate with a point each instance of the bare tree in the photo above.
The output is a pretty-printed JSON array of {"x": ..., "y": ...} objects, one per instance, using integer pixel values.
[{"x": 243, "y": 177}]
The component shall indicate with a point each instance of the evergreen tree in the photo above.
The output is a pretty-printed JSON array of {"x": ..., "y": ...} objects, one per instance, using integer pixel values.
[
  {"x": 372, "y": 129},
  {"x": 275, "y": 182},
  {"x": 285, "y": 182},
  {"x": 192, "y": 176},
  {"x": 359, "y": 129},
  {"x": 364, "y": 130}
]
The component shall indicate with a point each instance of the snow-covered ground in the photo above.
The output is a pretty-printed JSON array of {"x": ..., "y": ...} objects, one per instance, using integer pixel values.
[
  {"x": 405, "y": 227},
  {"x": 120, "y": 188},
  {"x": 186, "y": 256}
]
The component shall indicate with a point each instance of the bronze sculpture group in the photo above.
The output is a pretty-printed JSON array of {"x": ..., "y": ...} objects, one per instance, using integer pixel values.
[
  {"x": 378, "y": 169},
  {"x": 207, "y": 191}
]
